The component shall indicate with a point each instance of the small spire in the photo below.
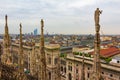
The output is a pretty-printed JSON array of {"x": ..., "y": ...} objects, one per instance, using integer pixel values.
[
  {"x": 6, "y": 43},
  {"x": 42, "y": 33},
  {"x": 42, "y": 52},
  {"x": 21, "y": 51},
  {"x": 20, "y": 29},
  {"x": 42, "y": 23},
  {"x": 6, "y": 18},
  {"x": 20, "y": 25},
  {"x": 6, "y": 26},
  {"x": 20, "y": 34}
]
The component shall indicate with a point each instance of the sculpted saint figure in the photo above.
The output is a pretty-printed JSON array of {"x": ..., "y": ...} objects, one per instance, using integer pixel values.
[{"x": 96, "y": 16}]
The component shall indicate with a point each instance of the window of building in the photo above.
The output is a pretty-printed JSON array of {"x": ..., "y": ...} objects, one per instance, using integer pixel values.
[
  {"x": 76, "y": 64},
  {"x": 64, "y": 62},
  {"x": 88, "y": 68},
  {"x": 61, "y": 68},
  {"x": 71, "y": 68},
  {"x": 55, "y": 61},
  {"x": 61, "y": 61},
  {"x": 118, "y": 61},
  {"x": 76, "y": 70},
  {"x": 65, "y": 69},
  {"x": 49, "y": 75},
  {"x": 111, "y": 75},
  {"x": 69, "y": 63},
  {"x": 102, "y": 72},
  {"x": 68, "y": 67},
  {"x": 69, "y": 76},
  {"x": 49, "y": 60},
  {"x": 88, "y": 75}
]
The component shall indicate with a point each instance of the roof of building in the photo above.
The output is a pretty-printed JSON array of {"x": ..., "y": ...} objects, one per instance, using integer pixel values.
[
  {"x": 109, "y": 52},
  {"x": 52, "y": 46},
  {"x": 90, "y": 61}
]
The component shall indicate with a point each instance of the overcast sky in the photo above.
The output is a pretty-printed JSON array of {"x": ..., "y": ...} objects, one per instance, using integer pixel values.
[{"x": 60, "y": 16}]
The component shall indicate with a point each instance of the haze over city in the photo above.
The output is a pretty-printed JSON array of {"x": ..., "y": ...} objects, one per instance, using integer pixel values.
[{"x": 60, "y": 16}]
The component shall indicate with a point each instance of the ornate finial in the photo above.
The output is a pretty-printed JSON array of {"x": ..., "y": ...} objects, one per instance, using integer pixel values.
[
  {"x": 0, "y": 51},
  {"x": 20, "y": 25},
  {"x": 42, "y": 23},
  {"x": 6, "y": 20},
  {"x": 6, "y": 17},
  {"x": 20, "y": 34},
  {"x": 20, "y": 28},
  {"x": 20, "y": 31}
]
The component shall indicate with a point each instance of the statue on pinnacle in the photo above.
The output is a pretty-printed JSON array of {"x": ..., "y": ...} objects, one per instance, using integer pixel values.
[{"x": 96, "y": 17}]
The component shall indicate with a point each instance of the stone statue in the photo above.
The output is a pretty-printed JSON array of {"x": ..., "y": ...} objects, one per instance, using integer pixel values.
[{"x": 96, "y": 16}]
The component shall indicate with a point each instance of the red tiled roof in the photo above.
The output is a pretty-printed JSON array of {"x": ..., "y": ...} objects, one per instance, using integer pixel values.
[{"x": 109, "y": 52}]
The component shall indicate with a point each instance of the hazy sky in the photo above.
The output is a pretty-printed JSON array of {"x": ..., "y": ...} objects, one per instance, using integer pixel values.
[{"x": 60, "y": 16}]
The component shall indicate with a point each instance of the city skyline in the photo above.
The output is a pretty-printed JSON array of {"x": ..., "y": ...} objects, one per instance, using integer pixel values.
[{"x": 61, "y": 17}]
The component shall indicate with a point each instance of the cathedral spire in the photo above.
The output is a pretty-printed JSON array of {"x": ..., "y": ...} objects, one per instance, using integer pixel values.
[
  {"x": 21, "y": 62},
  {"x": 42, "y": 34},
  {"x": 6, "y": 19},
  {"x": 42, "y": 53},
  {"x": 96, "y": 75},
  {"x": 20, "y": 36},
  {"x": 6, "y": 57},
  {"x": 6, "y": 28},
  {"x": 6, "y": 36}
]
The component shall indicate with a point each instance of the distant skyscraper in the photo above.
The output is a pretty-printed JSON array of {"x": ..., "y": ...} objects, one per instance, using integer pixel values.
[{"x": 35, "y": 31}]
